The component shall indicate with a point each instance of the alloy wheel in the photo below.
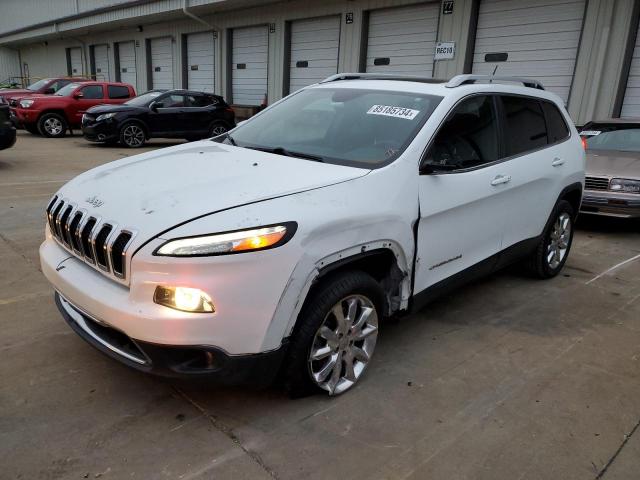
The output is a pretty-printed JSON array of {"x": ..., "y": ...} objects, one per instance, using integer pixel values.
[
  {"x": 53, "y": 126},
  {"x": 344, "y": 344},
  {"x": 559, "y": 240},
  {"x": 218, "y": 130},
  {"x": 133, "y": 135}
]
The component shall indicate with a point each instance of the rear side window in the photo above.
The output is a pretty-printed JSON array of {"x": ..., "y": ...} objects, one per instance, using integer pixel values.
[
  {"x": 468, "y": 138},
  {"x": 118, "y": 91},
  {"x": 556, "y": 127},
  {"x": 201, "y": 100},
  {"x": 92, "y": 92},
  {"x": 525, "y": 127}
]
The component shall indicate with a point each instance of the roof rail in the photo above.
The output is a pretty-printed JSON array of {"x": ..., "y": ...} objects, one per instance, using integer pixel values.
[
  {"x": 380, "y": 76},
  {"x": 469, "y": 79}
]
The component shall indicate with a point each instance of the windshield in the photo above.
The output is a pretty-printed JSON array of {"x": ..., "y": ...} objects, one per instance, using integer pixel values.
[
  {"x": 347, "y": 126},
  {"x": 624, "y": 139},
  {"x": 67, "y": 89},
  {"x": 144, "y": 99},
  {"x": 38, "y": 85}
]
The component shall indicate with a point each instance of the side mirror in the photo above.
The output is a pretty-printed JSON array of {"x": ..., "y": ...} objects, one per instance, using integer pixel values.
[
  {"x": 78, "y": 95},
  {"x": 155, "y": 106},
  {"x": 49, "y": 91}
]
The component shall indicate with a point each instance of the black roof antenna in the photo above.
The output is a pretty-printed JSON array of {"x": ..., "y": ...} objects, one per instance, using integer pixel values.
[{"x": 494, "y": 72}]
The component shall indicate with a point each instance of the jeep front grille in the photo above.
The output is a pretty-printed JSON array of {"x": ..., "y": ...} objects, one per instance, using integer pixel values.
[{"x": 98, "y": 243}]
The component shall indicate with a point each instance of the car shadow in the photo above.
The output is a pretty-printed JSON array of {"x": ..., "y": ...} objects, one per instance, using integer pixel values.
[{"x": 602, "y": 224}]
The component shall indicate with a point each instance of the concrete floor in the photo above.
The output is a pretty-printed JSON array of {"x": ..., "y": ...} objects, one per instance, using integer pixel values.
[{"x": 509, "y": 378}]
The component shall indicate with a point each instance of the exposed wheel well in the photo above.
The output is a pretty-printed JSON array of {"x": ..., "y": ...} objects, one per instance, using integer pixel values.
[
  {"x": 574, "y": 197},
  {"x": 381, "y": 264},
  {"x": 59, "y": 112}
]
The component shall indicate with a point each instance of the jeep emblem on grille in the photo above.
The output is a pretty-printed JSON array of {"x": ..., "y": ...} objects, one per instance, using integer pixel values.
[{"x": 95, "y": 201}]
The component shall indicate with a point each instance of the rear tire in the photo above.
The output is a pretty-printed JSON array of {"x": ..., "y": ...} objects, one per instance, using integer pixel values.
[
  {"x": 553, "y": 250},
  {"x": 52, "y": 125},
  {"x": 335, "y": 335},
  {"x": 132, "y": 135}
]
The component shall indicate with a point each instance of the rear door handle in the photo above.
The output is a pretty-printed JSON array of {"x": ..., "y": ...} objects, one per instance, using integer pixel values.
[
  {"x": 557, "y": 162},
  {"x": 500, "y": 179}
]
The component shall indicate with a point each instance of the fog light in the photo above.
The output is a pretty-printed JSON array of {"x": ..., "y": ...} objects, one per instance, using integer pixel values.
[{"x": 184, "y": 298}]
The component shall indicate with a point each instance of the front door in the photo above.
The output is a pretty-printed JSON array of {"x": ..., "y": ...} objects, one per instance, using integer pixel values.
[
  {"x": 166, "y": 118},
  {"x": 462, "y": 207},
  {"x": 91, "y": 95}
]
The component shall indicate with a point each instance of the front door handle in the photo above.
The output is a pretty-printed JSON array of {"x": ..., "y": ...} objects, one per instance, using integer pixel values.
[
  {"x": 557, "y": 162},
  {"x": 500, "y": 179}
]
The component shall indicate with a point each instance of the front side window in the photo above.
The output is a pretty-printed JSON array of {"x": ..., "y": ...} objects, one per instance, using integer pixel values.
[
  {"x": 525, "y": 127},
  {"x": 172, "y": 101},
  {"x": 468, "y": 138},
  {"x": 67, "y": 90},
  {"x": 118, "y": 91},
  {"x": 92, "y": 92},
  {"x": 347, "y": 126}
]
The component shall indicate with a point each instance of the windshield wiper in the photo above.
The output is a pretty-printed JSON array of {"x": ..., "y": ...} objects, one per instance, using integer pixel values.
[
  {"x": 289, "y": 153},
  {"x": 226, "y": 136}
]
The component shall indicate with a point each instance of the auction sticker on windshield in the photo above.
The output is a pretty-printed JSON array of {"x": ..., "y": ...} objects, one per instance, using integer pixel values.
[{"x": 397, "y": 112}]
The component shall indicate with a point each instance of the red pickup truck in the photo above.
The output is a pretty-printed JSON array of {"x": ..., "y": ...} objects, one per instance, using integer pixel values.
[
  {"x": 53, "y": 115},
  {"x": 46, "y": 86}
]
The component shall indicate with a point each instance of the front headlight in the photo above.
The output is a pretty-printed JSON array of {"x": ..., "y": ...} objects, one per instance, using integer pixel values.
[
  {"x": 229, "y": 242},
  {"x": 625, "y": 185},
  {"x": 105, "y": 116},
  {"x": 26, "y": 103}
]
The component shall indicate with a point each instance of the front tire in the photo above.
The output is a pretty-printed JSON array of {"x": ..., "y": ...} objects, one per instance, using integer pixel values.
[
  {"x": 52, "y": 125},
  {"x": 132, "y": 135},
  {"x": 335, "y": 336},
  {"x": 217, "y": 128},
  {"x": 553, "y": 250}
]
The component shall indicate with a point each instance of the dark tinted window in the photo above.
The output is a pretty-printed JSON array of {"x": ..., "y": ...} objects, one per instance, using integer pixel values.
[
  {"x": 556, "y": 127},
  {"x": 525, "y": 128},
  {"x": 118, "y": 91},
  {"x": 201, "y": 100},
  {"x": 172, "y": 101},
  {"x": 92, "y": 92},
  {"x": 468, "y": 138}
]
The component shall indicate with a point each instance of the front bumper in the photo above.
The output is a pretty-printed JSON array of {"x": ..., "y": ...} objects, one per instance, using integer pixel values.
[
  {"x": 194, "y": 361},
  {"x": 612, "y": 204},
  {"x": 24, "y": 115},
  {"x": 100, "y": 131}
]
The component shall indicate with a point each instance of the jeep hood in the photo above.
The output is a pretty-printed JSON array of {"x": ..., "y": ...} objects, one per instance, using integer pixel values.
[{"x": 153, "y": 192}]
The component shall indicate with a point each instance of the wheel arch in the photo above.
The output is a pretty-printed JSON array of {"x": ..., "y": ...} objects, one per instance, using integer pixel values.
[
  {"x": 58, "y": 111},
  {"x": 573, "y": 195},
  {"x": 140, "y": 122}
]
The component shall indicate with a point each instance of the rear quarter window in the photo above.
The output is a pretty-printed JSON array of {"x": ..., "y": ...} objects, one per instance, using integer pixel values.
[
  {"x": 557, "y": 129},
  {"x": 118, "y": 91}
]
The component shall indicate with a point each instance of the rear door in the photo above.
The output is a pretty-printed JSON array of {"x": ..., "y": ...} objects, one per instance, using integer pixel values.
[
  {"x": 91, "y": 95},
  {"x": 536, "y": 159},
  {"x": 101, "y": 62},
  {"x": 314, "y": 51},
  {"x": 201, "y": 62},
  {"x": 462, "y": 203},
  {"x": 402, "y": 40},
  {"x": 161, "y": 50},
  {"x": 126, "y": 63},
  {"x": 249, "y": 58},
  {"x": 196, "y": 115}
]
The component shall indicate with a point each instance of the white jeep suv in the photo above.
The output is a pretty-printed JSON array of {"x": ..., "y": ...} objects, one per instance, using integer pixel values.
[{"x": 275, "y": 250}]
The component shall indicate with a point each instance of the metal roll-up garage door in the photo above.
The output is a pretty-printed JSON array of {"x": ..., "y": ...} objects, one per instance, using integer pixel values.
[
  {"x": 74, "y": 62},
  {"x": 127, "y": 63},
  {"x": 101, "y": 62},
  {"x": 631, "y": 102},
  {"x": 314, "y": 51},
  {"x": 201, "y": 61},
  {"x": 539, "y": 39},
  {"x": 161, "y": 50},
  {"x": 249, "y": 58},
  {"x": 402, "y": 40}
]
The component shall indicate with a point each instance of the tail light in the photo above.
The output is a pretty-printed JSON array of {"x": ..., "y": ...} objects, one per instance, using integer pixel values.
[{"x": 584, "y": 142}]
